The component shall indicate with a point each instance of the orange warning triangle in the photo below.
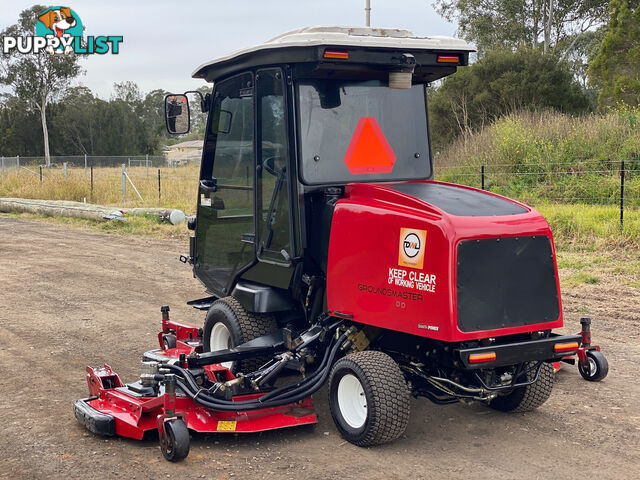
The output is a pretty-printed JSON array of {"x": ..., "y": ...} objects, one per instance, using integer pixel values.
[{"x": 369, "y": 151}]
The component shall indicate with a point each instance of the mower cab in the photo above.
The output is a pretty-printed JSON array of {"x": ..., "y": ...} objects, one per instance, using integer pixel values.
[{"x": 329, "y": 253}]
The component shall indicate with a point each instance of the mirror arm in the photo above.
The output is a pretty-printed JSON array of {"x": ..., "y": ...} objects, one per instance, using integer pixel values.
[{"x": 205, "y": 100}]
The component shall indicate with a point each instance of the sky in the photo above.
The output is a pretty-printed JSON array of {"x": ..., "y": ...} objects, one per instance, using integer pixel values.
[{"x": 164, "y": 41}]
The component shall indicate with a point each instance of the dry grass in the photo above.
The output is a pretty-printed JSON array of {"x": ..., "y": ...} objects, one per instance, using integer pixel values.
[{"x": 178, "y": 186}]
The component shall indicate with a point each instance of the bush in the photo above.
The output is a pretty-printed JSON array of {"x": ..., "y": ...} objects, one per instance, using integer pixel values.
[{"x": 501, "y": 83}]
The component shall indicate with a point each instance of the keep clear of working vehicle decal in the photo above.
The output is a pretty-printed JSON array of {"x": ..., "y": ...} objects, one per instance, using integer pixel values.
[{"x": 411, "y": 254}]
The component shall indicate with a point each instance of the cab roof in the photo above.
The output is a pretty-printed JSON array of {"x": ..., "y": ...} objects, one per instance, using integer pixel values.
[{"x": 307, "y": 45}]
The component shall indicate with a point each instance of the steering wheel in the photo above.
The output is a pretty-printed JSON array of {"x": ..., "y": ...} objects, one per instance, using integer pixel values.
[{"x": 269, "y": 164}]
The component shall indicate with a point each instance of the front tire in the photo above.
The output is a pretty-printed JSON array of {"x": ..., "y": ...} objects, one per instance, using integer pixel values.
[
  {"x": 228, "y": 325},
  {"x": 368, "y": 398},
  {"x": 529, "y": 397}
]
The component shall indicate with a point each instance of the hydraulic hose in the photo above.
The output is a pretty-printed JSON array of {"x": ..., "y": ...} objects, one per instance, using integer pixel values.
[
  {"x": 289, "y": 397},
  {"x": 306, "y": 381},
  {"x": 195, "y": 388},
  {"x": 317, "y": 378},
  {"x": 279, "y": 397}
]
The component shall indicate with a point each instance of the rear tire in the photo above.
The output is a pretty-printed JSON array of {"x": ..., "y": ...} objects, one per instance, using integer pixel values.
[
  {"x": 529, "y": 397},
  {"x": 368, "y": 398},
  {"x": 227, "y": 322}
]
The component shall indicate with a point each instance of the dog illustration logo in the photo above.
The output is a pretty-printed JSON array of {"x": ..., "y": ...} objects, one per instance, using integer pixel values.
[{"x": 61, "y": 23}]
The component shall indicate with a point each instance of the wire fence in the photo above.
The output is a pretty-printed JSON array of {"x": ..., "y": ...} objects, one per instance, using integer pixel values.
[
  {"x": 611, "y": 183},
  {"x": 163, "y": 180},
  {"x": 123, "y": 181},
  {"x": 8, "y": 163}
]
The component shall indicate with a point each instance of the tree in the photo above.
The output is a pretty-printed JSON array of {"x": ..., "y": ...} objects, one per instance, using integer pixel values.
[
  {"x": 75, "y": 121},
  {"x": 37, "y": 78},
  {"x": 501, "y": 83},
  {"x": 19, "y": 127},
  {"x": 514, "y": 24},
  {"x": 616, "y": 68}
]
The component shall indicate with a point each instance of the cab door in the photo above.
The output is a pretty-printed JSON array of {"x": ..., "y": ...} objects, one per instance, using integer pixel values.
[{"x": 225, "y": 230}]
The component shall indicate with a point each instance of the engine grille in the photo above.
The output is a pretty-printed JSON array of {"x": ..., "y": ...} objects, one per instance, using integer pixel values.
[{"x": 506, "y": 282}]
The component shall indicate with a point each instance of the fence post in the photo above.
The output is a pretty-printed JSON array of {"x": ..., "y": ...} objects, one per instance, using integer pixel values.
[
  {"x": 146, "y": 163},
  {"x": 85, "y": 162},
  {"x": 64, "y": 169},
  {"x": 159, "y": 184},
  {"x": 129, "y": 159},
  {"x": 92, "y": 180},
  {"x": 40, "y": 173},
  {"x": 622, "y": 194},
  {"x": 482, "y": 175},
  {"x": 124, "y": 181},
  {"x": 18, "y": 161},
  {"x": 3, "y": 164}
]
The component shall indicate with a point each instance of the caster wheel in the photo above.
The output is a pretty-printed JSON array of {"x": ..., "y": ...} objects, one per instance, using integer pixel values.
[
  {"x": 169, "y": 341},
  {"x": 175, "y": 441},
  {"x": 597, "y": 369}
]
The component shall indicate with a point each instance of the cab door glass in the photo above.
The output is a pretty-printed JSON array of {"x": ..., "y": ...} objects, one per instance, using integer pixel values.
[
  {"x": 225, "y": 233},
  {"x": 273, "y": 207}
]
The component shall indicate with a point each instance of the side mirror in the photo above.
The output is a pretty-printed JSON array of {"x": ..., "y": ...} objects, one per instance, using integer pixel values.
[{"x": 176, "y": 113}]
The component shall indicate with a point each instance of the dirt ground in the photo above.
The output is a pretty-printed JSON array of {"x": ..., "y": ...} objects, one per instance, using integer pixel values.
[{"x": 69, "y": 298}]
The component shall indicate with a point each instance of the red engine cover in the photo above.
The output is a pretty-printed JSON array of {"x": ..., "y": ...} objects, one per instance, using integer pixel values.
[{"x": 392, "y": 256}]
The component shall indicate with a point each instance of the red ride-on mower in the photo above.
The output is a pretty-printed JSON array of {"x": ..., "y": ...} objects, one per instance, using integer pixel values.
[{"x": 330, "y": 256}]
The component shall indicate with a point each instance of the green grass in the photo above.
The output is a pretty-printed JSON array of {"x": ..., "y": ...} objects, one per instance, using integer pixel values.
[
  {"x": 593, "y": 226},
  {"x": 579, "y": 279},
  {"x": 145, "y": 226},
  {"x": 546, "y": 156},
  {"x": 528, "y": 140}
]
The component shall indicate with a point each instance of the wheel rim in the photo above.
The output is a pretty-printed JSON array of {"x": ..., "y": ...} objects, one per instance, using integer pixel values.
[
  {"x": 593, "y": 367},
  {"x": 352, "y": 401},
  {"x": 220, "y": 339}
]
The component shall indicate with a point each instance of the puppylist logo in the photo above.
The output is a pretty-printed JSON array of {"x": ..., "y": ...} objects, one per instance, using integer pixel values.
[{"x": 59, "y": 31}]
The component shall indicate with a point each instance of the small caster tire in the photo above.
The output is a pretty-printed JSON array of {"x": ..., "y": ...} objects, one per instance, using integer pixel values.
[
  {"x": 598, "y": 367},
  {"x": 175, "y": 441},
  {"x": 169, "y": 341}
]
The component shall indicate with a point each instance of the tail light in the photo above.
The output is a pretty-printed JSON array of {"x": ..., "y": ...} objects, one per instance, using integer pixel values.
[
  {"x": 336, "y": 54},
  {"x": 448, "y": 59},
  {"x": 565, "y": 347},
  {"x": 482, "y": 357}
]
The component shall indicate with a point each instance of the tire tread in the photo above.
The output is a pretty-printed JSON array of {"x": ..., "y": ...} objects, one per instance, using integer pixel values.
[
  {"x": 252, "y": 325},
  {"x": 530, "y": 397},
  {"x": 389, "y": 415}
]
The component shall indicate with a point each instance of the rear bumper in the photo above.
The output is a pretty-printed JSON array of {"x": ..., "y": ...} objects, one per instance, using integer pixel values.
[
  {"x": 518, "y": 352},
  {"x": 95, "y": 421}
]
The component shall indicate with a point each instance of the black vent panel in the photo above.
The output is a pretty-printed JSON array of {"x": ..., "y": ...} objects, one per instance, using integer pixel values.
[{"x": 506, "y": 282}]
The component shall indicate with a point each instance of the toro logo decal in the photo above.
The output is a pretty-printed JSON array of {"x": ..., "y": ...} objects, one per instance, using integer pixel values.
[{"x": 412, "y": 247}]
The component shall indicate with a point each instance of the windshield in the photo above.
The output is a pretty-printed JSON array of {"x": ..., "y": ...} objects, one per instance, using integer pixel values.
[{"x": 362, "y": 132}]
